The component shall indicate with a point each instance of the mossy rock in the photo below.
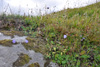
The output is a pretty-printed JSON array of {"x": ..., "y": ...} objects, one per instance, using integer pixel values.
[
  {"x": 22, "y": 60},
  {"x": 36, "y": 44},
  {"x": 30, "y": 44},
  {"x": 30, "y": 39},
  {"x": 34, "y": 65},
  {"x": 12, "y": 33},
  {"x": 6, "y": 42},
  {"x": 47, "y": 63}
]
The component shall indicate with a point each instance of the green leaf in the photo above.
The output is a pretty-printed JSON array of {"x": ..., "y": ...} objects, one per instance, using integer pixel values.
[
  {"x": 34, "y": 34},
  {"x": 64, "y": 62},
  {"x": 23, "y": 28},
  {"x": 74, "y": 60},
  {"x": 76, "y": 55},
  {"x": 82, "y": 52},
  {"x": 54, "y": 61},
  {"x": 56, "y": 55},
  {"x": 67, "y": 56},
  {"x": 78, "y": 63},
  {"x": 58, "y": 61},
  {"x": 98, "y": 57},
  {"x": 52, "y": 42},
  {"x": 85, "y": 56}
]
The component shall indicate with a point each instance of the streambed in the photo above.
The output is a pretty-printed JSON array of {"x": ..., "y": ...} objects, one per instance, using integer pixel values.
[{"x": 8, "y": 55}]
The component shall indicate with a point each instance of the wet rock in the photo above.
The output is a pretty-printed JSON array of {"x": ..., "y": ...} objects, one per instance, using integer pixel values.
[
  {"x": 34, "y": 65},
  {"x": 22, "y": 60}
]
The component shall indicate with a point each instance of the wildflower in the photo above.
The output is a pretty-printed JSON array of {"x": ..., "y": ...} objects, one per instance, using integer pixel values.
[
  {"x": 14, "y": 41},
  {"x": 65, "y": 36},
  {"x": 54, "y": 49},
  {"x": 26, "y": 41},
  {"x": 61, "y": 53},
  {"x": 83, "y": 38}
]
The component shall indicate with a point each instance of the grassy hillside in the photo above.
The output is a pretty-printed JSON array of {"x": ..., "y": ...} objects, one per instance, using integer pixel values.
[{"x": 72, "y": 36}]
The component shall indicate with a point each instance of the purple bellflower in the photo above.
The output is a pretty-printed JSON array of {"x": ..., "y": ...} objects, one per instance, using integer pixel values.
[
  {"x": 26, "y": 41},
  {"x": 65, "y": 36},
  {"x": 13, "y": 41},
  {"x": 83, "y": 38}
]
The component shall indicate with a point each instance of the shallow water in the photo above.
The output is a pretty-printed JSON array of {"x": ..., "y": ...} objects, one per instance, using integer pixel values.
[{"x": 8, "y": 55}]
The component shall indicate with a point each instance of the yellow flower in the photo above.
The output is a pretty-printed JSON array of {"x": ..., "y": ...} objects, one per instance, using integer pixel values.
[
  {"x": 54, "y": 49},
  {"x": 61, "y": 53}
]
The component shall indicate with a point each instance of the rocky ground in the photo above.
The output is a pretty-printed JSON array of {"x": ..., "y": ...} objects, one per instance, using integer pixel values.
[{"x": 15, "y": 54}]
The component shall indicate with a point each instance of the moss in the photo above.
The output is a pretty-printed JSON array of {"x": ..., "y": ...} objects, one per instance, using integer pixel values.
[
  {"x": 30, "y": 39},
  {"x": 31, "y": 65},
  {"x": 6, "y": 42},
  {"x": 12, "y": 33},
  {"x": 36, "y": 44},
  {"x": 47, "y": 63},
  {"x": 34, "y": 65},
  {"x": 22, "y": 60}
]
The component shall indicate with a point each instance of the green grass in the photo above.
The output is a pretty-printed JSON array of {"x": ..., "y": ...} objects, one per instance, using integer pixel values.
[{"x": 78, "y": 23}]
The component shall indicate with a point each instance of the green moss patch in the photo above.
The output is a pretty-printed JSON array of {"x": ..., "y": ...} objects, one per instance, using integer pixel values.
[
  {"x": 34, "y": 65},
  {"x": 36, "y": 44},
  {"x": 6, "y": 42},
  {"x": 12, "y": 33},
  {"x": 22, "y": 60}
]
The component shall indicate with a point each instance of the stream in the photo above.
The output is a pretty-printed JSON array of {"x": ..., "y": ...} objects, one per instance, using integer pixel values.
[{"x": 8, "y": 55}]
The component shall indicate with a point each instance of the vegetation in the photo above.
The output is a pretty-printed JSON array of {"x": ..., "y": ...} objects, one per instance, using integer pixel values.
[
  {"x": 7, "y": 42},
  {"x": 36, "y": 44},
  {"x": 81, "y": 26},
  {"x": 22, "y": 60},
  {"x": 34, "y": 65},
  {"x": 12, "y": 33}
]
